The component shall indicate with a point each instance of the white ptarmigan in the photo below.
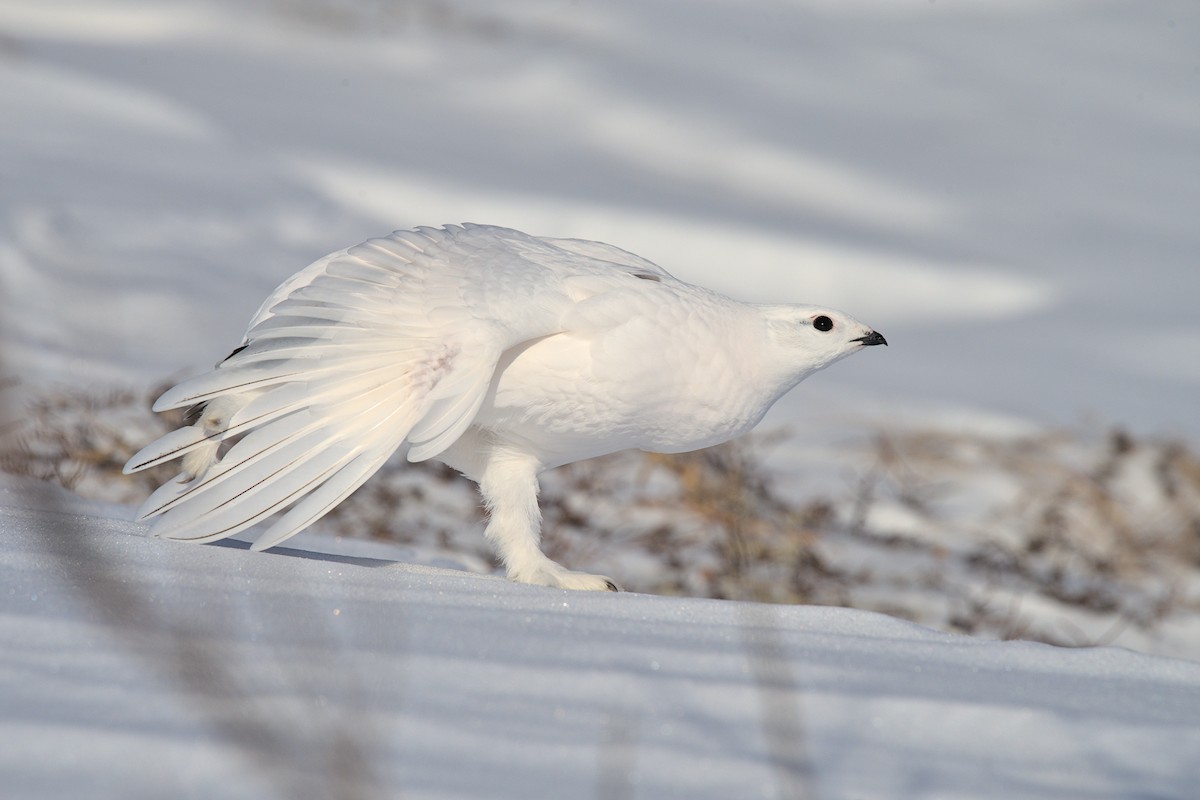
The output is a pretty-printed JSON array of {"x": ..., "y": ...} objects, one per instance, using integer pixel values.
[{"x": 499, "y": 353}]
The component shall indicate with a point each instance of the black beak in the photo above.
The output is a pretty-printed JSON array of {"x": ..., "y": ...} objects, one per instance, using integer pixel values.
[{"x": 870, "y": 339}]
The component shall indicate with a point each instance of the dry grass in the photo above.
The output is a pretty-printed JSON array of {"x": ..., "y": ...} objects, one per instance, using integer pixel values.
[
  {"x": 80, "y": 440},
  {"x": 1103, "y": 523},
  {"x": 1065, "y": 538}
]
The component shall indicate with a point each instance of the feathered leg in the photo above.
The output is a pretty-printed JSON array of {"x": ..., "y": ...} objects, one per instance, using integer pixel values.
[{"x": 508, "y": 482}]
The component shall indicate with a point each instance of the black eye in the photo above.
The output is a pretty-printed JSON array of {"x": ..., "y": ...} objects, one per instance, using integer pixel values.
[{"x": 823, "y": 323}]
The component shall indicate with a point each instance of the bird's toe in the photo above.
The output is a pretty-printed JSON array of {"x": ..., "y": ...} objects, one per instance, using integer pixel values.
[{"x": 559, "y": 577}]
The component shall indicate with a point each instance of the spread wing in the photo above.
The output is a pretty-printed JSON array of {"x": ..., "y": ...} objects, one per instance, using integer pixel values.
[{"x": 390, "y": 343}]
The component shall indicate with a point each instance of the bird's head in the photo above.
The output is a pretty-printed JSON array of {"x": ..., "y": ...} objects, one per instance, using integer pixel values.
[{"x": 810, "y": 338}]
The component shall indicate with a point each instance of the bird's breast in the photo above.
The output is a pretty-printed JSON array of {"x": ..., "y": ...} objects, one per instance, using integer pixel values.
[{"x": 643, "y": 386}]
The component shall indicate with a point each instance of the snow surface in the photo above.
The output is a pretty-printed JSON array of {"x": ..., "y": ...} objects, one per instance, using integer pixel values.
[
  {"x": 1006, "y": 190},
  {"x": 139, "y": 668}
]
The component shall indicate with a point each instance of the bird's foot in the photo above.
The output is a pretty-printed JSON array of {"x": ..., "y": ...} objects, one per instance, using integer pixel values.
[{"x": 558, "y": 576}]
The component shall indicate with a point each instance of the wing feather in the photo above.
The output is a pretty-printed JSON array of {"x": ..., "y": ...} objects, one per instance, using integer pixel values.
[
  {"x": 225, "y": 382},
  {"x": 445, "y": 422},
  {"x": 228, "y": 512},
  {"x": 166, "y": 448},
  {"x": 390, "y": 341},
  {"x": 336, "y": 488},
  {"x": 278, "y": 418}
]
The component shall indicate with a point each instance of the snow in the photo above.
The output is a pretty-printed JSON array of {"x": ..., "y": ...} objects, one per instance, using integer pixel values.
[
  {"x": 135, "y": 667},
  {"x": 1005, "y": 190}
]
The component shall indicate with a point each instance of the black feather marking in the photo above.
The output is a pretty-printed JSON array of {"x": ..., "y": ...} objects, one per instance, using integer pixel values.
[
  {"x": 193, "y": 414},
  {"x": 236, "y": 350}
]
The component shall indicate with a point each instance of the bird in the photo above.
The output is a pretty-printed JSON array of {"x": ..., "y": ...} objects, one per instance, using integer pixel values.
[{"x": 496, "y": 352}]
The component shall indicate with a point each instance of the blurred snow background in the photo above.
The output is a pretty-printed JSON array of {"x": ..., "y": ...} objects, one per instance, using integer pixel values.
[{"x": 1007, "y": 190}]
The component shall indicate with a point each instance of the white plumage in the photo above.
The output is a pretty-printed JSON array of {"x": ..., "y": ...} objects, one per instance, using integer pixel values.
[{"x": 499, "y": 353}]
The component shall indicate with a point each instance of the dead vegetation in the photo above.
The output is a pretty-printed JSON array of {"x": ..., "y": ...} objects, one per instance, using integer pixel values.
[{"x": 1068, "y": 538}]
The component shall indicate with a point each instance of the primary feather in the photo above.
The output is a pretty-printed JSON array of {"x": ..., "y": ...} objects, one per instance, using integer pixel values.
[{"x": 500, "y": 353}]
